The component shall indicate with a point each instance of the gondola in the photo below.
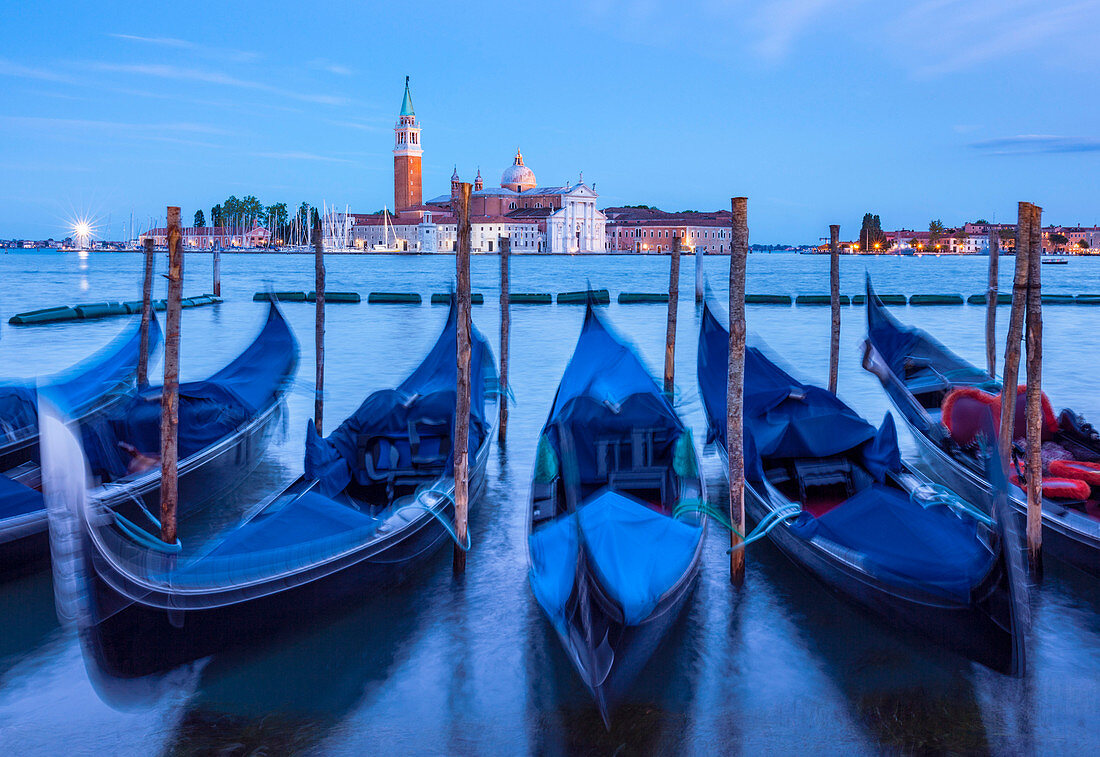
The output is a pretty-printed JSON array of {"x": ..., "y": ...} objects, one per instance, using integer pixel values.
[
  {"x": 922, "y": 378},
  {"x": 855, "y": 516},
  {"x": 85, "y": 391},
  {"x": 614, "y": 531},
  {"x": 375, "y": 501}
]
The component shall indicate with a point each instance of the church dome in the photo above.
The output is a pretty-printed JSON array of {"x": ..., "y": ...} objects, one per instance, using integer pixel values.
[{"x": 518, "y": 176}]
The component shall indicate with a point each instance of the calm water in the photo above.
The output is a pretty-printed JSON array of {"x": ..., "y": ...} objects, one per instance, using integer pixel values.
[{"x": 469, "y": 666}]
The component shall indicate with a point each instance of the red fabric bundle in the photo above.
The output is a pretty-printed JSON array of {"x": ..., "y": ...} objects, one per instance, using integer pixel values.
[
  {"x": 963, "y": 408},
  {"x": 1078, "y": 470},
  {"x": 1058, "y": 488}
]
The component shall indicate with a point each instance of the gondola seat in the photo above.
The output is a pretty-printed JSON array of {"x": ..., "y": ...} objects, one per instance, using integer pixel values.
[
  {"x": 1077, "y": 469},
  {"x": 1057, "y": 488},
  {"x": 965, "y": 411}
]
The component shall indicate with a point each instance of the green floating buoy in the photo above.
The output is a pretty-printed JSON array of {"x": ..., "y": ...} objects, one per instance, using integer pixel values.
[
  {"x": 409, "y": 298},
  {"x": 634, "y": 298},
  {"x": 820, "y": 299},
  {"x": 45, "y": 315},
  {"x": 279, "y": 296},
  {"x": 133, "y": 307},
  {"x": 1058, "y": 299},
  {"x": 981, "y": 299},
  {"x": 1088, "y": 299},
  {"x": 336, "y": 297},
  {"x": 100, "y": 310},
  {"x": 530, "y": 298},
  {"x": 444, "y": 298},
  {"x": 892, "y": 299},
  {"x": 859, "y": 299},
  {"x": 599, "y": 296},
  {"x": 768, "y": 299},
  {"x": 936, "y": 299}
]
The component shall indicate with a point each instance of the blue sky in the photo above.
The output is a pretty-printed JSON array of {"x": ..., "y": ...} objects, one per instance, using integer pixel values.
[{"x": 817, "y": 110}]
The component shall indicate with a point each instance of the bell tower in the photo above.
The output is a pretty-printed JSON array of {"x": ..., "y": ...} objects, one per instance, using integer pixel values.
[{"x": 406, "y": 157}]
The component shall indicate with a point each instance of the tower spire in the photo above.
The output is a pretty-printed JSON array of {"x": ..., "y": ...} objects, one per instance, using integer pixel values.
[
  {"x": 407, "y": 102},
  {"x": 406, "y": 156}
]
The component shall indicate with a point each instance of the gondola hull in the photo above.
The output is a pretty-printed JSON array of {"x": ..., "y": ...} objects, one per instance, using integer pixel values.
[{"x": 145, "y": 638}]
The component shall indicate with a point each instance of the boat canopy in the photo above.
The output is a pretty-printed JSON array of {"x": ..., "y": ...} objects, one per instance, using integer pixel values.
[
  {"x": 784, "y": 418},
  {"x": 17, "y": 499},
  {"x": 76, "y": 389},
  {"x": 637, "y": 554},
  {"x": 606, "y": 391},
  {"x": 398, "y": 429},
  {"x": 208, "y": 410},
  {"x": 913, "y": 355}
]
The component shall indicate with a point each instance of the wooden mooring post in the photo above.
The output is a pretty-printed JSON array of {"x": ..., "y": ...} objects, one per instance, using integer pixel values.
[
  {"x": 217, "y": 270},
  {"x": 834, "y": 302},
  {"x": 673, "y": 304},
  {"x": 1011, "y": 372},
  {"x": 319, "y": 325},
  {"x": 735, "y": 385},
  {"x": 991, "y": 304},
  {"x": 146, "y": 314},
  {"x": 505, "y": 328},
  {"x": 169, "y": 398},
  {"x": 697, "y": 253},
  {"x": 462, "y": 395},
  {"x": 1034, "y": 395}
]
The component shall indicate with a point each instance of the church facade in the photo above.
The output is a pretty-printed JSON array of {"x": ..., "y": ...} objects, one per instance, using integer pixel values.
[{"x": 551, "y": 219}]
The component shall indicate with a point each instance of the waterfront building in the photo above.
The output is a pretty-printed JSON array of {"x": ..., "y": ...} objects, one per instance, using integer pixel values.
[
  {"x": 205, "y": 237},
  {"x": 537, "y": 218},
  {"x": 645, "y": 229}
]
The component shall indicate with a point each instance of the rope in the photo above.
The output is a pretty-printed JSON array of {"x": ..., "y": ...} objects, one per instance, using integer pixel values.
[
  {"x": 929, "y": 495},
  {"x": 688, "y": 506},
  {"x": 763, "y": 528},
  {"x": 430, "y": 509},
  {"x": 142, "y": 537}
]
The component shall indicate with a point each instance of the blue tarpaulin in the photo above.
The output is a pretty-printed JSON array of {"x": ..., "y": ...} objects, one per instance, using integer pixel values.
[
  {"x": 414, "y": 422},
  {"x": 904, "y": 542},
  {"x": 636, "y": 553},
  {"x": 75, "y": 390},
  {"x": 17, "y": 499}
]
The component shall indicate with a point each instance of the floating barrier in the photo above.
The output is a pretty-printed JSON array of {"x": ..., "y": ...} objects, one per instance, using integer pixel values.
[
  {"x": 336, "y": 297},
  {"x": 279, "y": 296},
  {"x": 887, "y": 299},
  {"x": 1088, "y": 299},
  {"x": 1058, "y": 299},
  {"x": 599, "y": 296},
  {"x": 636, "y": 298},
  {"x": 45, "y": 315},
  {"x": 936, "y": 299},
  {"x": 407, "y": 298},
  {"x": 444, "y": 298},
  {"x": 530, "y": 298},
  {"x": 820, "y": 299},
  {"x": 768, "y": 299},
  {"x": 100, "y": 310},
  {"x": 981, "y": 299}
]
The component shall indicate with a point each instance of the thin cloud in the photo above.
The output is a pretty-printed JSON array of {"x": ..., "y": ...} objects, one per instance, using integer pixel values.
[
  {"x": 299, "y": 156},
  {"x": 781, "y": 24},
  {"x": 163, "y": 41},
  {"x": 130, "y": 126},
  {"x": 11, "y": 68},
  {"x": 327, "y": 65},
  {"x": 1037, "y": 144},
  {"x": 166, "y": 71},
  {"x": 183, "y": 44}
]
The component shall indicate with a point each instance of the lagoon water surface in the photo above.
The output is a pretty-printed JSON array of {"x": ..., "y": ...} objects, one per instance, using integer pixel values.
[{"x": 469, "y": 666}]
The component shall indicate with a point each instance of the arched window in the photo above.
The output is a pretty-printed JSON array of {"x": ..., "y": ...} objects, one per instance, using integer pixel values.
[{"x": 512, "y": 205}]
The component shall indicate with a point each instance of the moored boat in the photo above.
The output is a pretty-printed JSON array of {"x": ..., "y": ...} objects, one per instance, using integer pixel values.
[
  {"x": 375, "y": 501},
  {"x": 852, "y": 513},
  {"x": 943, "y": 398},
  {"x": 614, "y": 530},
  {"x": 84, "y": 392}
]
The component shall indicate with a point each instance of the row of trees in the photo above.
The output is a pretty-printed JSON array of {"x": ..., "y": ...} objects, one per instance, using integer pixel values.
[{"x": 246, "y": 213}]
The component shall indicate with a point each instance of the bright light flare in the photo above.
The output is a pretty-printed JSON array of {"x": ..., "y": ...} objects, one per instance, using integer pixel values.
[{"x": 82, "y": 230}]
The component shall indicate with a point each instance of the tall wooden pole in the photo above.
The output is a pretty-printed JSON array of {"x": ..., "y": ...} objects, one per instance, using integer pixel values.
[
  {"x": 217, "y": 270},
  {"x": 505, "y": 328},
  {"x": 319, "y": 324},
  {"x": 462, "y": 404},
  {"x": 146, "y": 314},
  {"x": 991, "y": 304},
  {"x": 1034, "y": 396},
  {"x": 735, "y": 385},
  {"x": 697, "y": 253},
  {"x": 170, "y": 392},
  {"x": 834, "y": 302},
  {"x": 1011, "y": 372},
  {"x": 673, "y": 303}
]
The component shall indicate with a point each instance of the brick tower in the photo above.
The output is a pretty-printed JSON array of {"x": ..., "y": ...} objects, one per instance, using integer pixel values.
[{"x": 406, "y": 157}]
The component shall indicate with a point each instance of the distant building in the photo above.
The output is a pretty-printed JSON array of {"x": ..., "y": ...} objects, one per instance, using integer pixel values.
[
  {"x": 205, "y": 237},
  {"x": 536, "y": 218},
  {"x": 652, "y": 230}
]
